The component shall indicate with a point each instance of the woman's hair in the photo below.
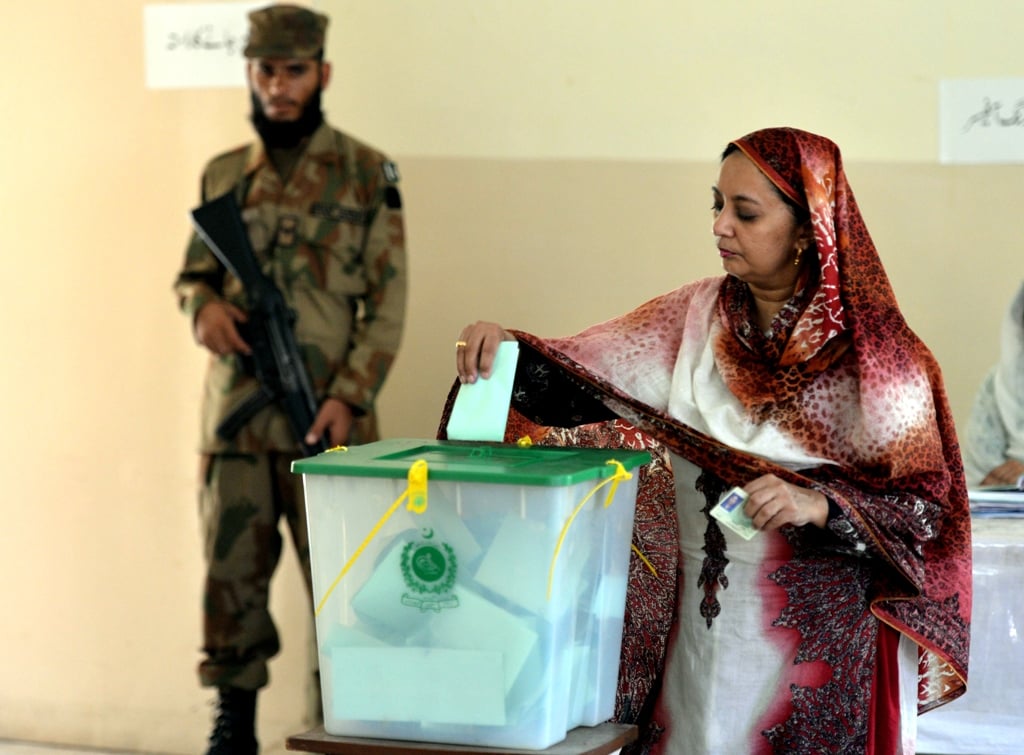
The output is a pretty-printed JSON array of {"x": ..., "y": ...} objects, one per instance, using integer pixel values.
[{"x": 801, "y": 214}]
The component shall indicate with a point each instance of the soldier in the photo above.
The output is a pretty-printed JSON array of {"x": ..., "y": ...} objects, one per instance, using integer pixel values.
[{"x": 323, "y": 213}]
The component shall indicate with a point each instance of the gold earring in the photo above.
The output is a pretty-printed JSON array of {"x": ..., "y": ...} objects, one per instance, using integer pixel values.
[{"x": 796, "y": 259}]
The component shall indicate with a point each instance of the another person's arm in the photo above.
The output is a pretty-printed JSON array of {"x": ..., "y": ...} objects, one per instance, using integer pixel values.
[
  {"x": 1010, "y": 472},
  {"x": 986, "y": 440}
]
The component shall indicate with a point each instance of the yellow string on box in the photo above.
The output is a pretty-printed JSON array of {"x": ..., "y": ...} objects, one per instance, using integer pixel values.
[
  {"x": 416, "y": 493},
  {"x": 620, "y": 474},
  {"x": 525, "y": 442},
  {"x": 644, "y": 559}
]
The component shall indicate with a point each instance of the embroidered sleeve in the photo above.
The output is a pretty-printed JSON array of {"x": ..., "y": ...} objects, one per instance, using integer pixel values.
[
  {"x": 551, "y": 397},
  {"x": 894, "y": 526}
]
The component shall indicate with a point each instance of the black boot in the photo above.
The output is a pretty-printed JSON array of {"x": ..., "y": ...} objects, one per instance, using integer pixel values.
[{"x": 234, "y": 730}]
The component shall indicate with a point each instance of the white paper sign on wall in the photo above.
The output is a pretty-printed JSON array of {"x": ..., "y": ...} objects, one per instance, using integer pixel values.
[
  {"x": 981, "y": 121},
  {"x": 196, "y": 45}
]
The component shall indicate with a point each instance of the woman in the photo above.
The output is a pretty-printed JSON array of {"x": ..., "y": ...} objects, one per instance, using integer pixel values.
[
  {"x": 994, "y": 447},
  {"x": 794, "y": 376}
]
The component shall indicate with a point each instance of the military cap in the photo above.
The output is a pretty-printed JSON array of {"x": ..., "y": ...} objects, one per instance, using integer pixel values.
[{"x": 285, "y": 31}]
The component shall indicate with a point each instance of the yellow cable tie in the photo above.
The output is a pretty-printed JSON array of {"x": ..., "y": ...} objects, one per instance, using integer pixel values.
[
  {"x": 620, "y": 474},
  {"x": 418, "y": 487}
]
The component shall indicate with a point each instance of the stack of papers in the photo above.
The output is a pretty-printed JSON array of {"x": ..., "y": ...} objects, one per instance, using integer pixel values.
[{"x": 997, "y": 500}]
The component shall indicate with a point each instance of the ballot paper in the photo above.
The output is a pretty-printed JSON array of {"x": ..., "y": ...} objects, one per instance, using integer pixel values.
[
  {"x": 729, "y": 511},
  {"x": 480, "y": 411}
]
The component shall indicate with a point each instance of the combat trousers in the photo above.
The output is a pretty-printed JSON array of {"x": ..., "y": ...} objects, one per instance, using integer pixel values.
[{"x": 242, "y": 499}]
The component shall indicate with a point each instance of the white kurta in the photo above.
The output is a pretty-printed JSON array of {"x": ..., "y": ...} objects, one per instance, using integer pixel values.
[{"x": 721, "y": 682}]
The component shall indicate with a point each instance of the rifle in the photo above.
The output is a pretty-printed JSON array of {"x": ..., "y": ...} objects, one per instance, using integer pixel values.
[{"x": 275, "y": 360}]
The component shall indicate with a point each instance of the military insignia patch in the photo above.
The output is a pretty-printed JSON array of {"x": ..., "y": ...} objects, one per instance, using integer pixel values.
[
  {"x": 390, "y": 171},
  {"x": 339, "y": 214}
]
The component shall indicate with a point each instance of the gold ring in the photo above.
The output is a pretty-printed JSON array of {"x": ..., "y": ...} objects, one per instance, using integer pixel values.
[{"x": 460, "y": 344}]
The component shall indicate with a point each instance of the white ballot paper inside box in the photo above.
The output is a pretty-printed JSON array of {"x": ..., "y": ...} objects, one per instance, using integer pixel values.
[{"x": 480, "y": 411}]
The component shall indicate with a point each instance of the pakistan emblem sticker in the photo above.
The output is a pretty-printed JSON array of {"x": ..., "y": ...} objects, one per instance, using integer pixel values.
[{"x": 429, "y": 568}]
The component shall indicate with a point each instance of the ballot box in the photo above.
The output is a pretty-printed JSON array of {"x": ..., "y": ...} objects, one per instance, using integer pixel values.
[{"x": 469, "y": 593}]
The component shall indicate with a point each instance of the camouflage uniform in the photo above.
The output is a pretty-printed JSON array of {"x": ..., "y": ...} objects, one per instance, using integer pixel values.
[{"x": 332, "y": 238}]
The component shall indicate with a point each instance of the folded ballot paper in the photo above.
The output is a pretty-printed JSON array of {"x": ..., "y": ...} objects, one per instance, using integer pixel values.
[{"x": 481, "y": 408}]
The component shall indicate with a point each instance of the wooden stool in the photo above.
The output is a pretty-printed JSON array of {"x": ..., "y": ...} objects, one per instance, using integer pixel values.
[{"x": 583, "y": 740}]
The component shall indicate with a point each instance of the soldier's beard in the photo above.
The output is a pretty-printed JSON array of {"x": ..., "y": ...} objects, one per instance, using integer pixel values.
[{"x": 286, "y": 134}]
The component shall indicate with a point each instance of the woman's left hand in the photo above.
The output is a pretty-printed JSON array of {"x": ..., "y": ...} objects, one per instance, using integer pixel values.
[{"x": 774, "y": 502}]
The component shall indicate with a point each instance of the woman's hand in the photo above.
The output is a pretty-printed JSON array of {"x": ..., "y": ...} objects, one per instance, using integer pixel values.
[
  {"x": 476, "y": 348},
  {"x": 773, "y": 503}
]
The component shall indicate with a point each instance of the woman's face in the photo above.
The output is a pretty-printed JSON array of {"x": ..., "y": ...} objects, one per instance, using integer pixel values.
[{"x": 756, "y": 233}]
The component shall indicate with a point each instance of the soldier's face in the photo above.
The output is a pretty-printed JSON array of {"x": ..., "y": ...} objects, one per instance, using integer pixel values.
[{"x": 284, "y": 86}]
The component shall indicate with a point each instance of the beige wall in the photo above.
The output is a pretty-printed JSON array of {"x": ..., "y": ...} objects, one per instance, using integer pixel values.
[{"x": 556, "y": 160}]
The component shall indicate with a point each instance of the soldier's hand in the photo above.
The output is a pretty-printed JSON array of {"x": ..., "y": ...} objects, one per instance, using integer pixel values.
[
  {"x": 216, "y": 328},
  {"x": 334, "y": 417}
]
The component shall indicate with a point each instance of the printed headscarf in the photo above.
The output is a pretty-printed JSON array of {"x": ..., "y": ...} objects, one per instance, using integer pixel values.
[{"x": 808, "y": 169}]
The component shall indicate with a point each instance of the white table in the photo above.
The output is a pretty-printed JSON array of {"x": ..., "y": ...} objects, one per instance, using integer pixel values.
[{"x": 989, "y": 718}]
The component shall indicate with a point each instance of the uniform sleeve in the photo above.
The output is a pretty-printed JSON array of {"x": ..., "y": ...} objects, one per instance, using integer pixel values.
[
  {"x": 201, "y": 276},
  {"x": 381, "y": 317}
]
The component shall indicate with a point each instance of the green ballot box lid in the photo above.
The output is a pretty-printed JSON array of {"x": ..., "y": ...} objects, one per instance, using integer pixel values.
[{"x": 474, "y": 461}]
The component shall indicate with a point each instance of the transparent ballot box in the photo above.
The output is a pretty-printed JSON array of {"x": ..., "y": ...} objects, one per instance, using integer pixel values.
[{"x": 469, "y": 593}]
